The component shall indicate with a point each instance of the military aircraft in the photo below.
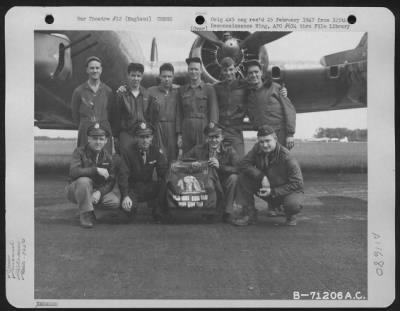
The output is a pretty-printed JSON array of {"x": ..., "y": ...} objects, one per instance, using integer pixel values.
[{"x": 338, "y": 81}]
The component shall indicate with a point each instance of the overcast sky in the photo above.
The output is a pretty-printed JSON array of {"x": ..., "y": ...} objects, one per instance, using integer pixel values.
[{"x": 295, "y": 47}]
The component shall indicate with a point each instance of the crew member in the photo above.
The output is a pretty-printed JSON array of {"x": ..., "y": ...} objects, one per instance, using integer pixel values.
[
  {"x": 92, "y": 176},
  {"x": 92, "y": 102},
  {"x": 222, "y": 171},
  {"x": 231, "y": 97},
  {"x": 197, "y": 107},
  {"x": 267, "y": 106},
  {"x": 162, "y": 112},
  {"x": 136, "y": 174},
  {"x": 270, "y": 171},
  {"x": 132, "y": 102}
]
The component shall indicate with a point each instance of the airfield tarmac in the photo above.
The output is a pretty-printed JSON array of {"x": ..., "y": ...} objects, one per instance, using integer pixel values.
[{"x": 202, "y": 259}]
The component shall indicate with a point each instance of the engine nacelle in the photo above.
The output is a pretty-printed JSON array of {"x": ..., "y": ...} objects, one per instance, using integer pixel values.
[
  {"x": 212, "y": 54},
  {"x": 52, "y": 59}
]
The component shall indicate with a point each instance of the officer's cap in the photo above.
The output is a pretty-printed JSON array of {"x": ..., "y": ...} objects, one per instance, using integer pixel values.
[
  {"x": 193, "y": 60},
  {"x": 252, "y": 62},
  {"x": 143, "y": 128},
  {"x": 227, "y": 62},
  {"x": 212, "y": 131},
  {"x": 90, "y": 58},
  {"x": 135, "y": 67},
  {"x": 97, "y": 129},
  {"x": 265, "y": 130}
]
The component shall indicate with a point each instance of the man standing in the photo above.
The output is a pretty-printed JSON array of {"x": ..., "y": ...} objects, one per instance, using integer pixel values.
[
  {"x": 162, "y": 112},
  {"x": 197, "y": 107},
  {"x": 231, "y": 98},
  {"x": 270, "y": 171},
  {"x": 136, "y": 173},
  {"x": 92, "y": 176},
  {"x": 92, "y": 102},
  {"x": 267, "y": 106},
  {"x": 131, "y": 106},
  {"x": 222, "y": 171}
]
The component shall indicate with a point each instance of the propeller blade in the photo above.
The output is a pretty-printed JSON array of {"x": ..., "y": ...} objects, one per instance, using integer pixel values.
[
  {"x": 257, "y": 39},
  {"x": 209, "y": 36}
]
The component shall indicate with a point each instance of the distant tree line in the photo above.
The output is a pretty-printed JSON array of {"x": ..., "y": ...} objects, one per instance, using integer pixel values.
[
  {"x": 341, "y": 132},
  {"x": 52, "y": 138}
]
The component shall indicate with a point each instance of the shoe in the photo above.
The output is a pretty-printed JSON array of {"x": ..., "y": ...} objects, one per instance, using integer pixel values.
[
  {"x": 291, "y": 220},
  {"x": 275, "y": 213},
  {"x": 241, "y": 222},
  {"x": 86, "y": 219}
]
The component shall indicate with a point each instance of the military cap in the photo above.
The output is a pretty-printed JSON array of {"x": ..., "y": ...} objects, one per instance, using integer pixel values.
[
  {"x": 90, "y": 58},
  {"x": 143, "y": 128},
  {"x": 265, "y": 130},
  {"x": 212, "y": 131},
  {"x": 97, "y": 129},
  {"x": 252, "y": 62},
  {"x": 227, "y": 62},
  {"x": 193, "y": 60},
  {"x": 135, "y": 67}
]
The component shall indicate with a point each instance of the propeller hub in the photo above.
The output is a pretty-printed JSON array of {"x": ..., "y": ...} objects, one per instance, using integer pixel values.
[{"x": 230, "y": 48}]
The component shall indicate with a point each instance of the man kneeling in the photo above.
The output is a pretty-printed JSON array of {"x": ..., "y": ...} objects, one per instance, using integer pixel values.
[
  {"x": 222, "y": 170},
  {"x": 92, "y": 176},
  {"x": 136, "y": 174},
  {"x": 272, "y": 173}
]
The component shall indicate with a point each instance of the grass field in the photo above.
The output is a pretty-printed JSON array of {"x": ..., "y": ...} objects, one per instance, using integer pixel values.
[{"x": 52, "y": 156}]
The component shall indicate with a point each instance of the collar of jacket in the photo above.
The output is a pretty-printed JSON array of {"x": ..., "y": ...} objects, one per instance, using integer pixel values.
[
  {"x": 87, "y": 86},
  {"x": 163, "y": 90},
  {"x": 141, "y": 90},
  {"x": 92, "y": 154},
  {"x": 265, "y": 84},
  {"x": 221, "y": 149},
  {"x": 273, "y": 156},
  {"x": 200, "y": 85}
]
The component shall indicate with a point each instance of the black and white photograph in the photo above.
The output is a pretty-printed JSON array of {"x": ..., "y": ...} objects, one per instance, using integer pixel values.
[{"x": 202, "y": 163}]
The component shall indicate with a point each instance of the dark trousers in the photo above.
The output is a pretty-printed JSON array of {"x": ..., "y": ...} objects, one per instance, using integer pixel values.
[
  {"x": 281, "y": 135},
  {"x": 153, "y": 192},
  {"x": 248, "y": 187},
  {"x": 235, "y": 138}
]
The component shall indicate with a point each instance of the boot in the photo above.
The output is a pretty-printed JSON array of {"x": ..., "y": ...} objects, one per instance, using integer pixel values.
[
  {"x": 86, "y": 219},
  {"x": 291, "y": 220}
]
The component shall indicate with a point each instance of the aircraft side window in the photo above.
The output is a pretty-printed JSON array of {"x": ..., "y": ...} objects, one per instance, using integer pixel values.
[
  {"x": 276, "y": 72},
  {"x": 334, "y": 72}
]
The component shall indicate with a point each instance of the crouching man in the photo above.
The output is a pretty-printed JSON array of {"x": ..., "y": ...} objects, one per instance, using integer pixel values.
[
  {"x": 92, "y": 176},
  {"x": 136, "y": 174},
  {"x": 272, "y": 173},
  {"x": 223, "y": 176}
]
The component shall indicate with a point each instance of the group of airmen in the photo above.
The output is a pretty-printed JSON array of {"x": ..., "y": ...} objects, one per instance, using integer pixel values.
[{"x": 150, "y": 128}]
